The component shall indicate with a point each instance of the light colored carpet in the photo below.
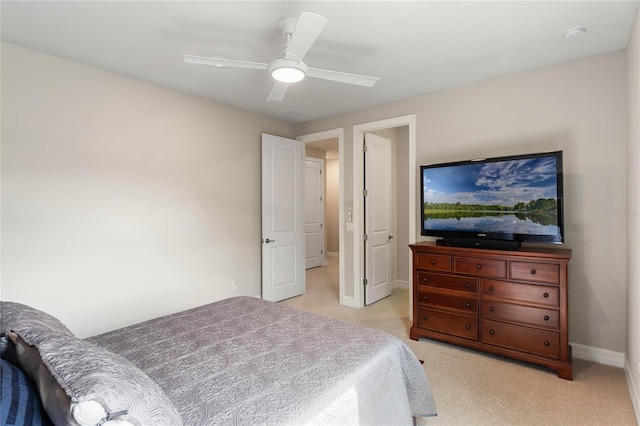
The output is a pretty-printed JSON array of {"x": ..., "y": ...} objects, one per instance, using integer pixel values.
[{"x": 473, "y": 388}]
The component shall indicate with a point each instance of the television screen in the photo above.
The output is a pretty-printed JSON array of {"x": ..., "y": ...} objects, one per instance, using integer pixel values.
[{"x": 516, "y": 198}]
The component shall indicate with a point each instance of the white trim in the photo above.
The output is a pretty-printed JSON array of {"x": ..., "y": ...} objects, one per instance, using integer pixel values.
[
  {"x": 601, "y": 356},
  {"x": 327, "y": 134},
  {"x": 333, "y": 254},
  {"x": 400, "y": 284},
  {"x": 358, "y": 208},
  {"x": 347, "y": 301},
  {"x": 633, "y": 389}
]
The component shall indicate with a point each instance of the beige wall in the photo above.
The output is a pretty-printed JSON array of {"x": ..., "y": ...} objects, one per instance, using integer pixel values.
[
  {"x": 633, "y": 215},
  {"x": 332, "y": 225},
  {"x": 122, "y": 200},
  {"x": 315, "y": 153},
  {"x": 578, "y": 107}
]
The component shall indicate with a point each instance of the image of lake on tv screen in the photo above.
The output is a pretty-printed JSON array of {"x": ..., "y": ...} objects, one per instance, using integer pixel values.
[{"x": 514, "y": 196}]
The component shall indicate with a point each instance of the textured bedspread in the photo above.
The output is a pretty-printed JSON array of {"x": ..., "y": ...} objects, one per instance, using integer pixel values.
[{"x": 247, "y": 361}]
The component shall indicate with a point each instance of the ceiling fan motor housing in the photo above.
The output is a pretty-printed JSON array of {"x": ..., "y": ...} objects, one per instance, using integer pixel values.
[
  {"x": 287, "y": 70},
  {"x": 287, "y": 24}
]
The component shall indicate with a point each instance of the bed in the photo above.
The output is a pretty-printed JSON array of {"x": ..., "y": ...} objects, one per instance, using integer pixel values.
[{"x": 241, "y": 361}]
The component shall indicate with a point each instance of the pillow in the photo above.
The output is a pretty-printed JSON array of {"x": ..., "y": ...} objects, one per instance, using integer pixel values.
[
  {"x": 81, "y": 383},
  {"x": 19, "y": 401},
  {"x": 7, "y": 349},
  {"x": 13, "y": 315},
  {"x": 54, "y": 400}
]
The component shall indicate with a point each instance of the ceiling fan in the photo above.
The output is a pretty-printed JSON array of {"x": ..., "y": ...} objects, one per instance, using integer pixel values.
[{"x": 288, "y": 68}]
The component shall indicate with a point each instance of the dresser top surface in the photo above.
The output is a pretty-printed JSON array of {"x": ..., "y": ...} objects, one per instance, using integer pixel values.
[{"x": 551, "y": 252}]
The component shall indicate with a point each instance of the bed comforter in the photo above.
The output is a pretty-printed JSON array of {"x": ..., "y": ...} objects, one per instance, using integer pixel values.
[{"x": 248, "y": 361}]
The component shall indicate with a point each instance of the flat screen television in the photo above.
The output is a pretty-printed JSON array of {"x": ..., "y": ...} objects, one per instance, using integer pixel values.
[{"x": 495, "y": 202}]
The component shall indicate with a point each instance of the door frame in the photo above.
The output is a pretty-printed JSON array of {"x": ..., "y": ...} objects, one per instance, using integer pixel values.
[
  {"x": 339, "y": 134},
  {"x": 358, "y": 203}
]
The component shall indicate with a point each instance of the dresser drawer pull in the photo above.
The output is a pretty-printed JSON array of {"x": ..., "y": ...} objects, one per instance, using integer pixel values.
[
  {"x": 425, "y": 279},
  {"x": 468, "y": 305},
  {"x": 492, "y": 332},
  {"x": 426, "y": 317},
  {"x": 546, "y": 317},
  {"x": 433, "y": 262},
  {"x": 533, "y": 272},
  {"x": 490, "y": 288},
  {"x": 468, "y": 326},
  {"x": 546, "y": 295},
  {"x": 491, "y": 308},
  {"x": 425, "y": 297},
  {"x": 546, "y": 343},
  {"x": 467, "y": 285},
  {"x": 478, "y": 266}
]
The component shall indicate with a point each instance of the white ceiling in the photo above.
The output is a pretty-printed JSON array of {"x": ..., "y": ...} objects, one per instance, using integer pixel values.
[{"x": 414, "y": 47}]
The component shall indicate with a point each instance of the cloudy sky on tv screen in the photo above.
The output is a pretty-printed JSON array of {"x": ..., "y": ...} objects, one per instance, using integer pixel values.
[{"x": 503, "y": 183}]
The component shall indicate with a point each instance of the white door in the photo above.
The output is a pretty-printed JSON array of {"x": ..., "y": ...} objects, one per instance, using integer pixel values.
[
  {"x": 377, "y": 217},
  {"x": 313, "y": 212},
  {"x": 283, "y": 272}
]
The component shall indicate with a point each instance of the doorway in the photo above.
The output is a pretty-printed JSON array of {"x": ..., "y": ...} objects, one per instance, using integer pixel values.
[{"x": 329, "y": 145}]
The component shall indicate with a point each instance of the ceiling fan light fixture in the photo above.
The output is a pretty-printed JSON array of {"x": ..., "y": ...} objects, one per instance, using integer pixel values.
[
  {"x": 287, "y": 75},
  {"x": 287, "y": 70}
]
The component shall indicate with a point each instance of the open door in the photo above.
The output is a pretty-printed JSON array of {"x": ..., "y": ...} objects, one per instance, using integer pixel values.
[
  {"x": 314, "y": 212},
  {"x": 283, "y": 258},
  {"x": 377, "y": 217}
]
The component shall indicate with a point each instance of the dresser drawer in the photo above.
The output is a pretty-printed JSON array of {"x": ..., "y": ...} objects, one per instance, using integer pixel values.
[
  {"x": 435, "y": 262},
  {"x": 448, "y": 282},
  {"x": 439, "y": 300},
  {"x": 532, "y": 340},
  {"x": 530, "y": 293},
  {"x": 548, "y": 318},
  {"x": 548, "y": 273},
  {"x": 456, "y": 325},
  {"x": 481, "y": 267}
]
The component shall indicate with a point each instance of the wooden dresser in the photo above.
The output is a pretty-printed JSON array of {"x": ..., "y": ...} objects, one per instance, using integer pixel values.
[{"x": 509, "y": 303}]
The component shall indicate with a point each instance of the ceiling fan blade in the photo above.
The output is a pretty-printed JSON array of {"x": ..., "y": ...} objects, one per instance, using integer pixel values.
[
  {"x": 278, "y": 91},
  {"x": 307, "y": 30},
  {"x": 343, "y": 77},
  {"x": 221, "y": 62}
]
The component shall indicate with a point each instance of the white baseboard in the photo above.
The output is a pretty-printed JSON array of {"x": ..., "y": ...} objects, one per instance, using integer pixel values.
[
  {"x": 601, "y": 356},
  {"x": 333, "y": 254},
  {"x": 633, "y": 389},
  {"x": 400, "y": 284}
]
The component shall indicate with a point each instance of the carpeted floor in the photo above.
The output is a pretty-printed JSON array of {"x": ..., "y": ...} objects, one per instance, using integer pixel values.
[{"x": 472, "y": 388}]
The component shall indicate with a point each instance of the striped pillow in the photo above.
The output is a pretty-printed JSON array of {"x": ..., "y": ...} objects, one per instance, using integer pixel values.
[{"x": 20, "y": 403}]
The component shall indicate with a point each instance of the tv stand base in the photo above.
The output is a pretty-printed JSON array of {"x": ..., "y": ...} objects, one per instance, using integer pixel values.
[{"x": 479, "y": 243}]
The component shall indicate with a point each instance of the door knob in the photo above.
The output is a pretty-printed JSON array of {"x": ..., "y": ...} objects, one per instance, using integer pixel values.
[
  {"x": 269, "y": 241},
  {"x": 389, "y": 237}
]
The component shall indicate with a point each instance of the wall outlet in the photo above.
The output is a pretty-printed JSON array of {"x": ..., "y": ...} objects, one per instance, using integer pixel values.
[{"x": 234, "y": 284}]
